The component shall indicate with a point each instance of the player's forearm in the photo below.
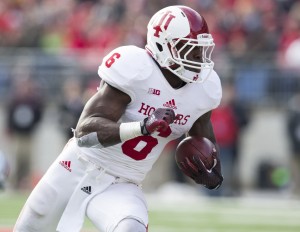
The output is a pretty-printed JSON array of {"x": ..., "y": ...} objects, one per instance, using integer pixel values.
[
  {"x": 101, "y": 132},
  {"x": 203, "y": 130},
  {"x": 107, "y": 131}
]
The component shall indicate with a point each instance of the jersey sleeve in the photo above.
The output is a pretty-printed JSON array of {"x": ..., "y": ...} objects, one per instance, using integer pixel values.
[
  {"x": 212, "y": 87},
  {"x": 125, "y": 68}
]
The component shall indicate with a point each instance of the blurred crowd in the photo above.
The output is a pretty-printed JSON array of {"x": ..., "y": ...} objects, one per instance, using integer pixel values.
[
  {"x": 257, "y": 53},
  {"x": 250, "y": 34}
]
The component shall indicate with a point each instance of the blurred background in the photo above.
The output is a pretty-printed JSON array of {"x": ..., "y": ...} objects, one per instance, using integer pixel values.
[{"x": 50, "y": 51}]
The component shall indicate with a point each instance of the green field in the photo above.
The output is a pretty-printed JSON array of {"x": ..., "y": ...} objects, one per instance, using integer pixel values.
[{"x": 199, "y": 214}]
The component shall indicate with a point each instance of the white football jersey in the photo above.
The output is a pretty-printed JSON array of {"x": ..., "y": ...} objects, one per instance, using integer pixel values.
[{"x": 133, "y": 71}]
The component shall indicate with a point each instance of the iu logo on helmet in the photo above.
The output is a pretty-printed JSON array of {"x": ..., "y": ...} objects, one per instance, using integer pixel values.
[{"x": 157, "y": 28}]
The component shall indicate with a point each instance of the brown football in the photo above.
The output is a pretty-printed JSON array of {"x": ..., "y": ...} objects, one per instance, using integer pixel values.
[{"x": 199, "y": 146}]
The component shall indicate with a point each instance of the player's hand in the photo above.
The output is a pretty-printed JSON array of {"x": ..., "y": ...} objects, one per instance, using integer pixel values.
[
  {"x": 211, "y": 179},
  {"x": 161, "y": 118}
]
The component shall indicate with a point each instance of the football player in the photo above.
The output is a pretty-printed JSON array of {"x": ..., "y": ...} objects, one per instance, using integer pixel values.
[{"x": 147, "y": 97}]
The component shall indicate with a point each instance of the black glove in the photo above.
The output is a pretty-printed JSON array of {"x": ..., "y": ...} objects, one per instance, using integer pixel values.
[
  {"x": 161, "y": 118},
  {"x": 194, "y": 168}
]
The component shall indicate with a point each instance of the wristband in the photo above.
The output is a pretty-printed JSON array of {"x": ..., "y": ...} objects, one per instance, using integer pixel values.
[
  {"x": 89, "y": 140},
  {"x": 130, "y": 130}
]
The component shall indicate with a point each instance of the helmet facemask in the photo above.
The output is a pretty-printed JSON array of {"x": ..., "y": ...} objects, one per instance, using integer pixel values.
[{"x": 183, "y": 64}]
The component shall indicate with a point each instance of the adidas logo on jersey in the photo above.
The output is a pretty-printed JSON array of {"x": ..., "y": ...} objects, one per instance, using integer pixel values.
[
  {"x": 87, "y": 189},
  {"x": 66, "y": 165},
  {"x": 171, "y": 104}
]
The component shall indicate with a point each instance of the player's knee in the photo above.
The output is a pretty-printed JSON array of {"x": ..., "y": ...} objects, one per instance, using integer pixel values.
[
  {"x": 130, "y": 225},
  {"x": 28, "y": 221},
  {"x": 37, "y": 213}
]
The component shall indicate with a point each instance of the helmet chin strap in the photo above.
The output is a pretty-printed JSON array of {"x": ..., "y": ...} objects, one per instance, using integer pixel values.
[{"x": 190, "y": 76}]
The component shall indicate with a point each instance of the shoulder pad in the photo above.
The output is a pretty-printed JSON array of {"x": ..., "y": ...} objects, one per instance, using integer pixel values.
[{"x": 125, "y": 68}]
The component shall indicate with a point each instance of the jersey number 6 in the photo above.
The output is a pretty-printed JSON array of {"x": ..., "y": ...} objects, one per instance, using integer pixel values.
[
  {"x": 139, "y": 148},
  {"x": 112, "y": 59}
]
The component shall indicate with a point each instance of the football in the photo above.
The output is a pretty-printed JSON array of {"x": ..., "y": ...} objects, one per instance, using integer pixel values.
[{"x": 199, "y": 146}]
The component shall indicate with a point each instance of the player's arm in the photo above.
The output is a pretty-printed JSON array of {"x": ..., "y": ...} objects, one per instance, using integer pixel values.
[
  {"x": 203, "y": 128},
  {"x": 100, "y": 116},
  {"x": 98, "y": 124},
  {"x": 211, "y": 179}
]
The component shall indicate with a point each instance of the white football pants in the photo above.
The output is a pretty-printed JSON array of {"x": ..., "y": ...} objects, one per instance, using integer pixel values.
[{"x": 72, "y": 189}]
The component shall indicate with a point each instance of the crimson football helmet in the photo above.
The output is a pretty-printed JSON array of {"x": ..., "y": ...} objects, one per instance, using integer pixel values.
[{"x": 174, "y": 33}]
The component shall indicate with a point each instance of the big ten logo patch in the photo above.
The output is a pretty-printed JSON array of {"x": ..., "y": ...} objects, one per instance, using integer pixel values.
[{"x": 154, "y": 91}]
